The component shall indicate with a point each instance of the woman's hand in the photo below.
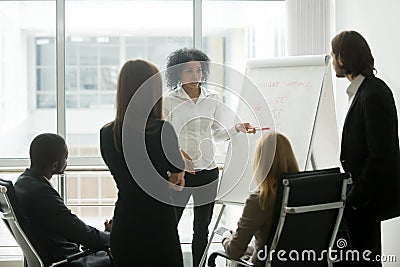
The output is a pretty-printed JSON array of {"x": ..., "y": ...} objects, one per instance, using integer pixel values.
[
  {"x": 189, "y": 165},
  {"x": 177, "y": 181},
  {"x": 245, "y": 127}
]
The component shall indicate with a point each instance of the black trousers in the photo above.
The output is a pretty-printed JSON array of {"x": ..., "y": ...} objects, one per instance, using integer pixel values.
[
  {"x": 203, "y": 187},
  {"x": 99, "y": 259},
  {"x": 364, "y": 234}
]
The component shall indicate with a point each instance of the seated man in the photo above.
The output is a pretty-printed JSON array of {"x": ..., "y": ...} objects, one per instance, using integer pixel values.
[{"x": 59, "y": 231}]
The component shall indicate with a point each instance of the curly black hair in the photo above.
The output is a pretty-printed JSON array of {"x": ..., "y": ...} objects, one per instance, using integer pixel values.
[{"x": 183, "y": 55}]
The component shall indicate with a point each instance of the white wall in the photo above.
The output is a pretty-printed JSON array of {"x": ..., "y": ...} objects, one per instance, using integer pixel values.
[{"x": 378, "y": 22}]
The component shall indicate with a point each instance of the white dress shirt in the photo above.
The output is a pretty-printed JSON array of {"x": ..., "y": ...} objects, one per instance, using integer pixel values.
[
  {"x": 353, "y": 87},
  {"x": 198, "y": 125}
]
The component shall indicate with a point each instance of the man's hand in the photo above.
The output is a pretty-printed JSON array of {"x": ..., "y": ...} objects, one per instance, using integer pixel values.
[
  {"x": 227, "y": 235},
  {"x": 177, "y": 181},
  {"x": 108, "y": 225},
  {"x": 189, "y": 165}
]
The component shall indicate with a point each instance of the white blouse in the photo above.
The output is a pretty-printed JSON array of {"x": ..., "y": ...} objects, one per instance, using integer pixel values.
[{"x": 198, "y": 125}]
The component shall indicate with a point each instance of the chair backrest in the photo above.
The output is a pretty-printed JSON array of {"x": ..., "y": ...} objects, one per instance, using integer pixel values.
[
  {"x": 309, "y": 210},
  {"x": 19, "y": 226},
  {"x": 280, "y": 193}
]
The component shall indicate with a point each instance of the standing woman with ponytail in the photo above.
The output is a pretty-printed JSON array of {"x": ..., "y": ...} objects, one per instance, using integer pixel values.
[{"x": 144, "y": 232}]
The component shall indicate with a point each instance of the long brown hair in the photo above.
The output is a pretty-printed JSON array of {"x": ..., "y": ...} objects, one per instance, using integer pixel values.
[
  {"x": 353, "y": 51},
  {"x": 283, "y": 161},
  {"x": 131, "y": 77}
]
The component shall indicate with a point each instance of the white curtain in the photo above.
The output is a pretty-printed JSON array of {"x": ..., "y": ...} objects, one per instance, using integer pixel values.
[{"x": 309, "y": 27}]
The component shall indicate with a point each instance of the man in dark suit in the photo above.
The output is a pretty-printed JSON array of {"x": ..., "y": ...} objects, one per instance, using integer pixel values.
[
  {"x": 59, "y": 231},
  {"x": 369, "y": 150}
]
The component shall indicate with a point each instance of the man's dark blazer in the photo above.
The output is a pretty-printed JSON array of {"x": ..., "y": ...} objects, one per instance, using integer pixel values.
[
  {"x": 370, "y": 150},
  {"x": 59, "y": 231}
]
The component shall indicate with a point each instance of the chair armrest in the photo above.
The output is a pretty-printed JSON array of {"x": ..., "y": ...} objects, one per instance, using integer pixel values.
[
  {"x": 215, "y": 254},
  {"x": 78, "y": 255},
  {"x": 81, "y": 254}
]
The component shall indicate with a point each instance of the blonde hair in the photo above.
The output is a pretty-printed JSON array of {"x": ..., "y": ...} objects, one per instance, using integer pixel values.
[
  {"x": 267, "y": 173},
  {"x": 132, "y": 76}
]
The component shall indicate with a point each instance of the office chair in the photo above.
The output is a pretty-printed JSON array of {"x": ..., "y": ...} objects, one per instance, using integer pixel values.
[
  {"x": 34, "y": 254},
  {"x": 308, "y": 212}
]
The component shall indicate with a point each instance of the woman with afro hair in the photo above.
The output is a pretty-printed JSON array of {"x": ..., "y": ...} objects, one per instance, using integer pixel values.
[{"x": 195, "y": 112}]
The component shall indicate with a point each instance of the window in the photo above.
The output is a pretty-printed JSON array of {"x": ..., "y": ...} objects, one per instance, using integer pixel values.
[
  {"x": 27, "y": 74},
  {"x": 97, "y": 47},
  {"x": 234, "y": 31}
]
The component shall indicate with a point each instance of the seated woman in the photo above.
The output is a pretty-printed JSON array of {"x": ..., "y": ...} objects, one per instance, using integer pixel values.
[{"x": 259, "y": 211}]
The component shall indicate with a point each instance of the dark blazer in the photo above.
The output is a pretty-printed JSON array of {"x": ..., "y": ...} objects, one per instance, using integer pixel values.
[
  {"x": 370, "y": 150},
  {"x": 144, "y": 231},
  {"x": 59, "y": 231}
]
